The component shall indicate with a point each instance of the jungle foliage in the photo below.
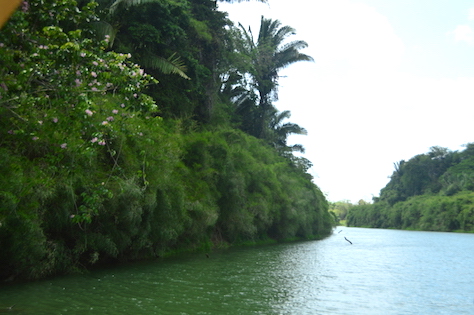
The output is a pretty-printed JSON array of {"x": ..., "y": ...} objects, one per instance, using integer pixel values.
[
  {"x": 432, "y": 191},
  {"x": 101, "y": 163}
]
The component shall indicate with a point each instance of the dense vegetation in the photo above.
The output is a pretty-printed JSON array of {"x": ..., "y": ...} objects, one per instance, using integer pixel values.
[
  {"x": 432, "y": 191},
  {"x": 130, "y": 131},
  {"x": 340, "y": 209}
]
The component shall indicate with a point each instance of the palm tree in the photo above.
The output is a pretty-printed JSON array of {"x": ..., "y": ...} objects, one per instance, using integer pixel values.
[
  {"x": 281, "y": 131},
  {"x": 269, "y": 54}
]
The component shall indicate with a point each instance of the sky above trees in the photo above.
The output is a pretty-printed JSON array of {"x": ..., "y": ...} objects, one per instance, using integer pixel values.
[{"x": 390, "y": 80}]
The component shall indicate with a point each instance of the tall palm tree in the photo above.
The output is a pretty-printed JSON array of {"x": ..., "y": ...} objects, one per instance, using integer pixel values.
[{"x": 269, "y": 54}]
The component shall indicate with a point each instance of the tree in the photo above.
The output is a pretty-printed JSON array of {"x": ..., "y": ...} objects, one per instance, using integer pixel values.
[
  {"x": 147, "y": 37},
  {"x": 281, "y": 131},
  {"x": 341, "y": 208},
  {"x": 268, "y": 55}
]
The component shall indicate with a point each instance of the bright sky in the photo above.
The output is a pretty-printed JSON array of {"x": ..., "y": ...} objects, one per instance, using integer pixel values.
[{"x": 390, "y": 80}]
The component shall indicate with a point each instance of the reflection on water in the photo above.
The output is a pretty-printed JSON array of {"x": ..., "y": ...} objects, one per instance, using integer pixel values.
[{"x": 383, "y": 272}]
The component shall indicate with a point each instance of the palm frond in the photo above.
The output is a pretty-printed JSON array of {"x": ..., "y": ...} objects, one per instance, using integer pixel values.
[
  {"x": 294, "y": 45},
  {"x": 297, "y": 148},
  {"x": 103, "y": 29},
  {"x": 248, "y": 38},
  {"x": 288, "y": 58},
  {"x": 291, "y": 128},
  {"x": 171, "y": 65},
  {"x": 282, "y": 33}
]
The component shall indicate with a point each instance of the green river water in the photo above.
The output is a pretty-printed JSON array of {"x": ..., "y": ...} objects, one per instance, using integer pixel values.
[{"x": 382, "y": 272}]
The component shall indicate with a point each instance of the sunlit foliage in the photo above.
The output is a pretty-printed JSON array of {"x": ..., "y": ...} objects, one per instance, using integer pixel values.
[
  {"x": 92, "y": 168},
  {"x": 432, "y": 191}
]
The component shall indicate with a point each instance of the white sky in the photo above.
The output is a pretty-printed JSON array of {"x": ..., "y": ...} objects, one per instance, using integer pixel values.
[{"x": 390, "y": 80}]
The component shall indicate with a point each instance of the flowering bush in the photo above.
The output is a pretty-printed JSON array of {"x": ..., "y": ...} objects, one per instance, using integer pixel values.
[
  {"x": 63, "y": 97},
  {"x": 67, "y": 109},
  {"x": 54, "y": 80}
]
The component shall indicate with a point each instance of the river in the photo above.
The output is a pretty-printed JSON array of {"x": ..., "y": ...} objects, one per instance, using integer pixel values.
[{"x": 382, "y": 272}]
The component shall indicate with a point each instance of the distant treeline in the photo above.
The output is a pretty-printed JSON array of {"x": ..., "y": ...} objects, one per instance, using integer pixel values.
[
  {"x": 432, "y": 191},
  {"x": 133, "y": 129}
]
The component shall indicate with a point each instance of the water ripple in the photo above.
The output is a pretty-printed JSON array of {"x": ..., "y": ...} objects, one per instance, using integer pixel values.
[{"x": 384, "y": 271}]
